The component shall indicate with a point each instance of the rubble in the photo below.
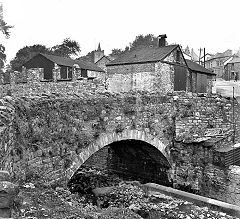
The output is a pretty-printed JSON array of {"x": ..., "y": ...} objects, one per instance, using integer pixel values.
[{"x": 124, "y": 199}]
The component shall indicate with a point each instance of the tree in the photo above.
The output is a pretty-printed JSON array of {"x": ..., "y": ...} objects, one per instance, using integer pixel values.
[
  {"x": 89, "y": 57},
  {"x": 116, "y": 52},
  {"x": 5, "y": 29},
  {"x": 26, "y": 53},
  {"x": 144, "y": 41},
  {"x": 140, "y": 41},
  {"x": 68, "y": 48},
  {"x": 2, "y": 56}
]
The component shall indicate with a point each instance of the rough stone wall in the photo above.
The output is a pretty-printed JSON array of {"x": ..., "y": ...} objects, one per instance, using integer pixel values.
[
  {"x": 194, "y": 169},
  {"x": 210, "y": 80},
  {"x": 163, "y": 82},
  {"x": 131, "y": 68},
  {"x": 99, "y": 159},
  {"x": 223, "y": 183},
  {"x": 72, "y": 119},
  {"x": 120, "y": 83},
  {"x": 35, "y": 84},
  {"x": 125, "y": 78},
  {"x": 95, "y": 74},
  {"x": 194, "y": 82},
  {"x": 47, "y": 132},
  {"x": 200, "y": 116},
  {"x": 102, "y": 63},
  {"x": 190, "y": 161},
  {"x": 7, "y": 135},
  {"x": 151, "y": 77},
  {"x": 172, "y": 57}
]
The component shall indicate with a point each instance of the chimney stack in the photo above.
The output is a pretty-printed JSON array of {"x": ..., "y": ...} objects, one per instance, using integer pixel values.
[{"x": 162, "y": 40}]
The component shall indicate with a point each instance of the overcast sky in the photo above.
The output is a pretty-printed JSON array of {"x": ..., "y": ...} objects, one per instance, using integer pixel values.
[{"x": 213, "y": 24}]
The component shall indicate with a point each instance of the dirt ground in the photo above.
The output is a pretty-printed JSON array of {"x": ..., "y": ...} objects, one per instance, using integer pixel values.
[{"x": 38, "y": 201}]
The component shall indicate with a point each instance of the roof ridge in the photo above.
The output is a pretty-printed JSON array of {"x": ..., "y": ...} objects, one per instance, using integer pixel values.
[
  {"x": 174, "y": 47},
  {"x": 144, "y": 54},
  {"x": 66, "y": 61}
]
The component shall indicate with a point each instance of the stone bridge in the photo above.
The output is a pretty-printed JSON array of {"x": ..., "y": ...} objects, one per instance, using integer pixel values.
[{"x": 50, "y": 136}]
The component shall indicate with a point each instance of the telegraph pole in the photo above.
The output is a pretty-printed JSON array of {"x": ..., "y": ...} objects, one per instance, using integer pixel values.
[
  {"x": 233, "y": 118},
  {"x": 204, "y": 54},
  {"x": 200, "y": 56}
]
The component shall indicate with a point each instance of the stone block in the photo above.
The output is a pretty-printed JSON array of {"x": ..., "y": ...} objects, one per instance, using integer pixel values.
[
  {"x": 9, "y": 187},
  {"x": 8, "y": 192},
  {"x": 6, "y": 200},
  {"x": 4, "y": 175},
  {"x": 5, "y": 213}
]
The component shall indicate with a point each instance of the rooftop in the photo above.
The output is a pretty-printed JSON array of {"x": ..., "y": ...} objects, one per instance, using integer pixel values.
[
  {"x": 70, "y": 62},
  {"x": 235, "y": 60},
  {"x": 142, "y": 55},
  {"x": 198, "y": 68}
]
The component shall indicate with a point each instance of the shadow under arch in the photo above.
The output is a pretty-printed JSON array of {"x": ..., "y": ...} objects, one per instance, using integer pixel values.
[{"x": 106, "y": 139}]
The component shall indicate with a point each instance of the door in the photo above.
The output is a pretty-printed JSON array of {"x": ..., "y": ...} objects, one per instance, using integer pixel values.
[
  {"x": 180, "y": 78},
  {"x": 201, "y": 83}
]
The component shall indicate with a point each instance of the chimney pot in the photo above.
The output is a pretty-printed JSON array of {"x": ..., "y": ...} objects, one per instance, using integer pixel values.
[{"x": 162, "y": 40}]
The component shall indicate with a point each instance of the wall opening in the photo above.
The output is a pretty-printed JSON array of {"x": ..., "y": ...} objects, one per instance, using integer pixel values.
[
  {"x": 138, "y": 160},
  {"x": 122, "y": 160}
]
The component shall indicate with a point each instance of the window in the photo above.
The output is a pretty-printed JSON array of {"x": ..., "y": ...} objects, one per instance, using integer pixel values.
[
  {"x": 84, "y": 73},
  {"x": 66, "y": 72}
]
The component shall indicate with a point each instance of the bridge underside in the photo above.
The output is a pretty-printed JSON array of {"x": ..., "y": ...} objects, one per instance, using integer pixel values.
[{"x": 133, "y": 159}]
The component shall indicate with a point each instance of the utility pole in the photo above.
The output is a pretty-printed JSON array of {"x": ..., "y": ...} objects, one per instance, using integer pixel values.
[
  {"x": 200, "y": 55},
  {"x": 204, "y": 54},
  {"x": 234, "y": 126},
  {"x": 233, "y": 117}
]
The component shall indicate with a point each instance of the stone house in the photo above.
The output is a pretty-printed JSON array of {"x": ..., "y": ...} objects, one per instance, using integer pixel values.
[
  {"x": 216, "y": 62},
  {"x": 102, "y": 62},
  {"x": 201, "y": 78},
  {"x": 156, "y": 69},
  {"x": 97, "y": 57},
  {"x": 65, "y": 67},
  {"x": 232, "y": 69}
]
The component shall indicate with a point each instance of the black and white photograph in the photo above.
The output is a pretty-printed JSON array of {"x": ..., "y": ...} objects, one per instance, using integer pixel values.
[{"x": 119, "y": 109}]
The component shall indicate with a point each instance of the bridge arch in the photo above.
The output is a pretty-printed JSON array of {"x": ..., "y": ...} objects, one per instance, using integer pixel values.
[{"x": 109, "y": 138}]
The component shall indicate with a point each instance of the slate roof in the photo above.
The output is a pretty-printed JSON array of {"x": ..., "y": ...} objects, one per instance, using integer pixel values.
[
  {"x": 146, "y": 54},
  {"x": 198, "y": 68},
  {"x": 70, "y": 62},
  {"x": 103, "y": 57}
]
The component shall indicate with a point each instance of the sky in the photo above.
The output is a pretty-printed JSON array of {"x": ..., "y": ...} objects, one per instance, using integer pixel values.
[{"x": 213, "y": 24}]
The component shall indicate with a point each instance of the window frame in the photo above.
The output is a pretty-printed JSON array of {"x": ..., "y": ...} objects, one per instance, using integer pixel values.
[{"x": 68, "y": 72}]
